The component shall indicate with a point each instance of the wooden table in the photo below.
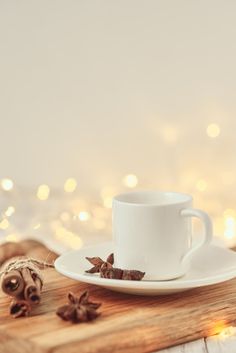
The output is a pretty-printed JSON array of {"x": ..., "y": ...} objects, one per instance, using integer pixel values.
[{"x": 127, "y": 324}]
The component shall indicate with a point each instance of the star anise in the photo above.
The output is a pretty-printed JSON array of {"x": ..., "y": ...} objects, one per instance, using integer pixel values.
[
  {"x": 106, "y": 269},
  {"x": 98, "y": 263},
  {"x": 79, "y": 309}
]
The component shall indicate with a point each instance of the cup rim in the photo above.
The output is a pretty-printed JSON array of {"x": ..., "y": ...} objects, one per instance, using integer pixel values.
[{"x": 120, "y": 198}]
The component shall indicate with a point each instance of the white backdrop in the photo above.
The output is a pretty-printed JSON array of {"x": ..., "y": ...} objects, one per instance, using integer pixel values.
[
  {"x": 96, "y": 90},
  {"x": 89, "y": 88}
]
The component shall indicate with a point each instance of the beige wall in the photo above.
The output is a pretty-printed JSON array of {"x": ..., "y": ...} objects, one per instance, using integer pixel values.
[{"x": 91, "y": 89}]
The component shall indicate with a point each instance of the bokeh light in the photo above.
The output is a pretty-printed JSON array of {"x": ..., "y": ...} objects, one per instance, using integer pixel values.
[
  {"x": 4, "y": 224},
  {"x": 227, "y": 332},
  {"x": 229, "y": 227},
  {"x": 213, "y": 130},
  {"x": 70, "y": 185},
  {"x": 43, "y": 192},
  {"x": 169, "y": 134},
  {"x": 201, "y": 185},
  {"x": 107, "y": 202},
  {"x": 7, "y": 184},
  {"x": 12, "y": 238},
  {"x": 9, "y": 211},
  {"x": 68, "y": 238},
  {"x": 130, "y": 180},
  {"x": 36, "y": 226},
  {"x": 84, "y": 216}
]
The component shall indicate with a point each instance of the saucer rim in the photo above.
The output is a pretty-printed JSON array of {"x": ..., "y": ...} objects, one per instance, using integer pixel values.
[{"x": 144, "y": 284}]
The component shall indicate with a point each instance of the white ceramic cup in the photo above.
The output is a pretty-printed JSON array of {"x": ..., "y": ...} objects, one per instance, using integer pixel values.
[{"x": 152, "y": 232}]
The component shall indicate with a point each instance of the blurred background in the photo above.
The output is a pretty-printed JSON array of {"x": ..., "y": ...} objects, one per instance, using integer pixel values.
[{"x": 104, "y": 96}]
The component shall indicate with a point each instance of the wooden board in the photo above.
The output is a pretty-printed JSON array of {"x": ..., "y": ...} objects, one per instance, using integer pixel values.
[{"x": 127, "y": 324}]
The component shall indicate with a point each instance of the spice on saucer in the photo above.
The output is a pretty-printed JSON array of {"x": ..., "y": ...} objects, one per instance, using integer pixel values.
[
  {"x": 106, "y": 269},
  {"x": 98, "y": 263},
  {"x": 79, "y": 309}
]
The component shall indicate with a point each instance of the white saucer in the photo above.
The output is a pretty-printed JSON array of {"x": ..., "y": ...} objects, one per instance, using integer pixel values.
[{"x": 210, "y": 265}]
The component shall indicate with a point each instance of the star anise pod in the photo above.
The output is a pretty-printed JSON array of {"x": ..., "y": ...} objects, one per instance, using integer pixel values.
[
  {"x": 79, "y": 309},
  {"x": 98, "y": 263},
  {"x": 107, "y": 271}
]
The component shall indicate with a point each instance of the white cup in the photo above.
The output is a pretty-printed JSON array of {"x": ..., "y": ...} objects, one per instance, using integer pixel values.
[{"x": 152, "y": 233}]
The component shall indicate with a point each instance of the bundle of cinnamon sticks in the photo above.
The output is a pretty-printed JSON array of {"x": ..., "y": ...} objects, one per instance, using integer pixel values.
[
  {"x": 21, "y": 277},
  {"x": 24, "y": 285}
]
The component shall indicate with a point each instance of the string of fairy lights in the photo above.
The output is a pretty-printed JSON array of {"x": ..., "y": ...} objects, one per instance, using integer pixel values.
[
  {"x": 73, "y": 219},
  {"x": 62, "y": 215}
]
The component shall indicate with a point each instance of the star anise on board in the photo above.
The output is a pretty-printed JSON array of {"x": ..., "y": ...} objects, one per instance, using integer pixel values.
[
  {"x": 106, "y": 269},
  {"x": 79, "y": 309}
]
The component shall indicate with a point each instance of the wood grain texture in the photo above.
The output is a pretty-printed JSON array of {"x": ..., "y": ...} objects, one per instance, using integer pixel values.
[{"x": 127, "y": 324}]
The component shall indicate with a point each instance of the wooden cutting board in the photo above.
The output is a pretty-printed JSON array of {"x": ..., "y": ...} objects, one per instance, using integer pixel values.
[{"x": 127, "y": 324}]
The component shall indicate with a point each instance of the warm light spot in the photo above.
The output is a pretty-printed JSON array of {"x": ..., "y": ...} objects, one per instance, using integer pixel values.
[
  {"x": 43, "y": 192},
  {"x": 213, "y": 130},
  {"x": 229, "y": 222},
  {"x": 84, "y": 216},
  {"x": 4, "y": 224},
  {"x": 12, "y": 237},
  {"x": 70, "y": 185},
  {"x": 9, "y": 211},
  {"x": 68, "y": 238},
  {"x": 61, "y": 232},
  {"x": 229, "y": 212},
  {"x": 216, "y": 328},
  {"x": 201, "y": 185},
  {"x": 107, "y": 202},
  {"x": 169, "y": 134},
  {"x": 37, "y": 226},
  {"x": 130, "y": 180},
  {"x": 227, "y": 332},
  {"x": 107, "y": 194},
  {"x": 229, "y": 227},
  {"x": 7, "y": 184}
]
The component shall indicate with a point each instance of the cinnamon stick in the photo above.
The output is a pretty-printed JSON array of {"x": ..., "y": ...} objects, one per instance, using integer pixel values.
[
  {"x": 12, "y": 283},
  {"x": 20, "y": 273},
  {"x": 32, "y": 290}
]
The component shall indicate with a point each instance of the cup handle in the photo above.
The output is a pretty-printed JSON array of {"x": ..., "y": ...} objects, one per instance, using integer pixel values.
[{"x": 203, "y": 216}]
